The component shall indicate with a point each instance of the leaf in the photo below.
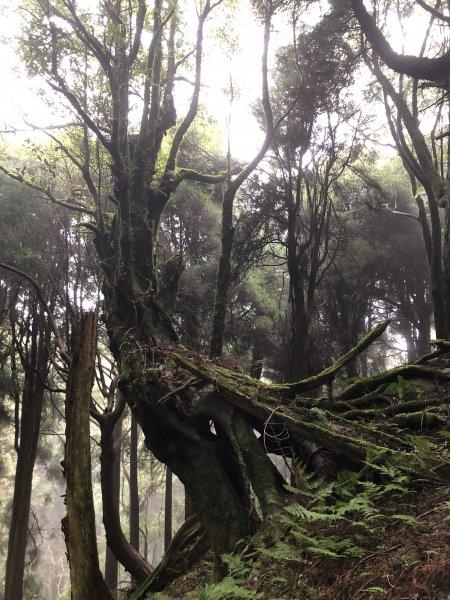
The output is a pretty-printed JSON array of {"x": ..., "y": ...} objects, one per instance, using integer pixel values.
[
  {"x": 406, "y": 518},
  {"x": 391, "y": 389},
  {"x": 400, "y": 387},
  {"x": 423, "y": 448}
]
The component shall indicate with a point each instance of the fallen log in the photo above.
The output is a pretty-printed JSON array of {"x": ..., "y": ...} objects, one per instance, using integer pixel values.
[
  {"x": 411, "y": 371},
  {"x": 338, "y": 426}
]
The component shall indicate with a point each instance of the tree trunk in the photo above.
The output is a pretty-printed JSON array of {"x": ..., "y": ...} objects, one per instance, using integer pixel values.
[
  {"x": 447, "y": 260},
  {"x": 111, "y": 562},
  {"x": 198, "y": 459},
  {"x": 223, "y": 275},
  {"x": 134, "y": 485},
  {"x": 189, "y": 509},
  {"x": 298, "y": 367},
  {"x": 79, "y": 524},
  {"x": 111, "y": 569},
  {"x": 32, "y": 401},
  {"x": 122, "y": 550},
  {"x": 168, "y": 510},
  {"x": 257, "y": 362}
]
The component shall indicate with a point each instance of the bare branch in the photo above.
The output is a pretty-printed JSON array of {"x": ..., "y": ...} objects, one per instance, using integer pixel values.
[
  {"x": 140, "y": 18},
  {"x": 59, "y": 340},
  {"x": 190, "y": 115},
  {"x": 46, "y": 191},
  {"x": 435, "y": 13}
]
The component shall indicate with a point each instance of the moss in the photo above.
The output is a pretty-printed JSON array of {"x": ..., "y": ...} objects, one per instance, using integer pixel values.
[{"x": 420, "y": 420}]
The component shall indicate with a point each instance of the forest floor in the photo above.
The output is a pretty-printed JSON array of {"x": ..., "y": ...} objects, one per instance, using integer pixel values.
[
  {"x": 406, "y": 558},
  {"x": 373, "y": 533}
]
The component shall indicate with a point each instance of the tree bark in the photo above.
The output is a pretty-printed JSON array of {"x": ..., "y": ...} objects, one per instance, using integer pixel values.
[
  {"x": 111, "y": 562},
  {"x": 187, "y": 546},
  {"x": 79, "y": 524}
]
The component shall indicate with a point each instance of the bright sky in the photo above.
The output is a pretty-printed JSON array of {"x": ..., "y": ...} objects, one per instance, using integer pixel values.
[
  {"x": 20, "y": 96},
  {"x": 243, "y": 68}
]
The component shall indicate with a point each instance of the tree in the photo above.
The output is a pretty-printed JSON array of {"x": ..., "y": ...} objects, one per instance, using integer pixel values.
[
  {"x": 37, "y": 241},
  {"x": 112, "y": 55},
  {"x": 310, "y": 156},
  {"x": 421, "y": 162},
  {"x": 380, "y": 222}
]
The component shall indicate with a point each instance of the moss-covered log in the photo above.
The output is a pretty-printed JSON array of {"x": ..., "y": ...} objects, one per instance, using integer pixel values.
[
  {"x": 335, "y": 425},
  {"x": 198, "y": 417},
  {"x": 412, "y": 371},
  {"x": 412, "y": 406}
]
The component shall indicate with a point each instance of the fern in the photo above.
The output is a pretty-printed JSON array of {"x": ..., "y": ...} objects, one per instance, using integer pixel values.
[
  {"x": 236, "y": 566},
  {"x": 341, "y": 520},
  {"x": 227, "y": 589},
  {"x": 375, "y": 590},
  {"x": 301, "y": 512}
]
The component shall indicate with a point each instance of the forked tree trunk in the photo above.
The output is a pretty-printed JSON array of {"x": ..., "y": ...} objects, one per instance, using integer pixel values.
[{"x": 79, "y": 524}]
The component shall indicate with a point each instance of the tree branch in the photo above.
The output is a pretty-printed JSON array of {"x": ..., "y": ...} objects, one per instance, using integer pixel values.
[
  {"x": 431, "y": 69},
  {"x": 59, "y": 341},
  {"x": 70, "y": 205},
  {"x": 182, "y": 174},
  {"x": 435, "y": 13}
]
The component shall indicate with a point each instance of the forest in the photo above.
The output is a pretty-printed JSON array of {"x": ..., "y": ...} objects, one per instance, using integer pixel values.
[{"x": 225, "y": 300}]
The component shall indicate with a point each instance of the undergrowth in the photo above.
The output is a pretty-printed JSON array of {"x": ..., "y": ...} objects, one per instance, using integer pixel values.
[{"x": 329, "y": 528}]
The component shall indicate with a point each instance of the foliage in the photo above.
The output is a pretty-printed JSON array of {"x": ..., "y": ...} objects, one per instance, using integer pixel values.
[
  {"x": 232, "y": 586},
  {"x": 342, "y": 522}
]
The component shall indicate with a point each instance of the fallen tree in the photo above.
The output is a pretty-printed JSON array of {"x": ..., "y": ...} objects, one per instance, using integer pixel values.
[{"x": 377, "y": 420}]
